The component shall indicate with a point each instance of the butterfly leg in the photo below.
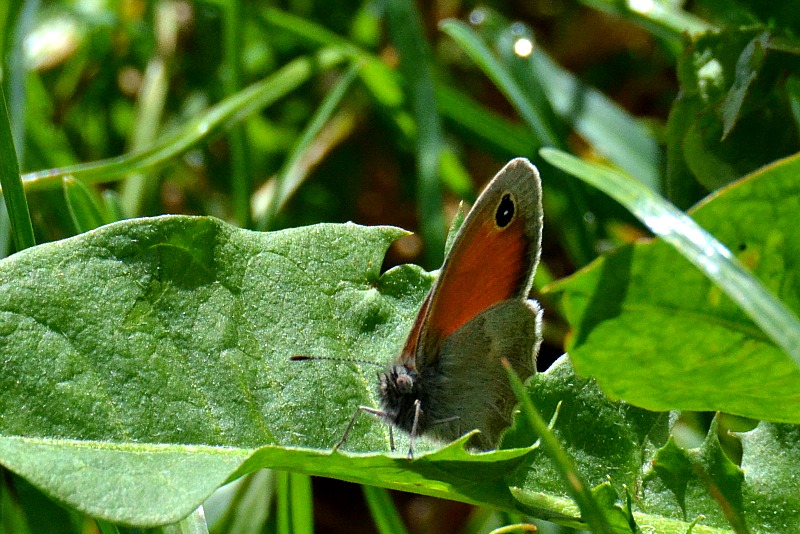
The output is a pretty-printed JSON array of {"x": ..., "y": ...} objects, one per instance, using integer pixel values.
[
  {"x": 373, "y": 411},
  {"x": 417, "y": 413}
]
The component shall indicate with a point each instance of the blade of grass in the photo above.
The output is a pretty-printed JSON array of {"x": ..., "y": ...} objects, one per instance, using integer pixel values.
[
  {"x": 611, "y": 130},
  {"x": 228, "y": 111},
  {"x": 564, "y": 464},
  {"x": 194, "y": 523},
  {"x": 16, "y": 21},
  {"x": 695, "y": 244},
  {"x": 309, "y": 31},
  {"x": 104, "y": 527},
  {"x": 83, "y": 206},
  {"x": 283, "y": 517},
  {"x": 5, "y": 231},
  {"x": 12, "y": 512},
  {"x": 664, "y": 19},
  {"x": 302, "y": 502},
  {"x": 500, "y": 75},
  {"x": 491, "y": 131},
  {"x": 291, "y": 174},
  {"x": 384, "y": 512},
  {"x": 375, "y": 74},
  {"x": 793, "y": 93},
  {"x": 384, "y": 86},
  {"x": 138, "y": 187},
  {"x": 247, "y": 504},
  {"x": 378, "y": 78},
  {"x": 416, "y": 66},
  {"x": 336, "y": 130},
  {"x": 581, "y": 236},
  {"x": 13, "y": 192},
  {"x": 237, "y": 137}
]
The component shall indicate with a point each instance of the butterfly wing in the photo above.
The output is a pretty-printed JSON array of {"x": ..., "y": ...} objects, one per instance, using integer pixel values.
[
  {"x": 475, "y": 393},
  {"x": 493, "y": 258}
]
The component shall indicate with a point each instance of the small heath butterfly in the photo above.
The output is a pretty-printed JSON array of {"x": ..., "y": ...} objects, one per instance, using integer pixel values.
[{"x": 448, "y": 378}]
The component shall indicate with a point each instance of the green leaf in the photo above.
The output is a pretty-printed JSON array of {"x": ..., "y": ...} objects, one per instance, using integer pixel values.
[
  {"x": 134, "y": 483},
  {"x": 645, "y": 307},
  {"x": 705, "y": 482},
  {"x": 158, "y": 349},
  {"x": 618, "y": 515},
  {"x": 146, "y": 363},
  {"x": 722, "y": 478},
  {"x": 735, "y": 112},
  {"x": 672, "y": 465},
  {"x": 770, "y": 460},
  {"x": 605, "y": 438},
  {"x": 613, "y": 446},
  {"x": 131, "y": 310},
  {"x": 584, "y": 497}
]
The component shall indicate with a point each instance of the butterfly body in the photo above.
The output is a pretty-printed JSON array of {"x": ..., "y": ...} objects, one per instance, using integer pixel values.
[{"x": 448, "y": 378}]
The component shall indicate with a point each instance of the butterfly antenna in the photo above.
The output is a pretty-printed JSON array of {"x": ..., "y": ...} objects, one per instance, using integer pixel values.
[{"x": 304, "y": 357}]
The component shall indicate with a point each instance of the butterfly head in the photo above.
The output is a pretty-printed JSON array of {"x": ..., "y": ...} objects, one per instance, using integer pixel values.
[{"x": 399, "y": 390}]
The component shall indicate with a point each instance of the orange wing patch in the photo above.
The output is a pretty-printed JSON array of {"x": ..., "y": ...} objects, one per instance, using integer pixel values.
[{"x": 491, "y": 266}]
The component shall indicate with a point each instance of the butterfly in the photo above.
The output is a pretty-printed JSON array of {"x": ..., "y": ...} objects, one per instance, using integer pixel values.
[{"x": 448, "y": 378}]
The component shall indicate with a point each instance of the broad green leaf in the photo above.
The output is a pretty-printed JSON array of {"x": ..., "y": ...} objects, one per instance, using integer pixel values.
[
  {"x": 147, "y": 362},
  {"x": 629, "y": 450},
  {"x": 703, "y": 482},
  {"x": 721, "y": 478},
  {"x": 592, "y": 511},
  {"x": 133, "y": 483},
  {"x": 770, "y": 458},
  {"x": 614, "y": 445},
  {"x": 607, "y": 439},
  {"x": 672, "y": 466},
  {"x": 644, "y": 308}
]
